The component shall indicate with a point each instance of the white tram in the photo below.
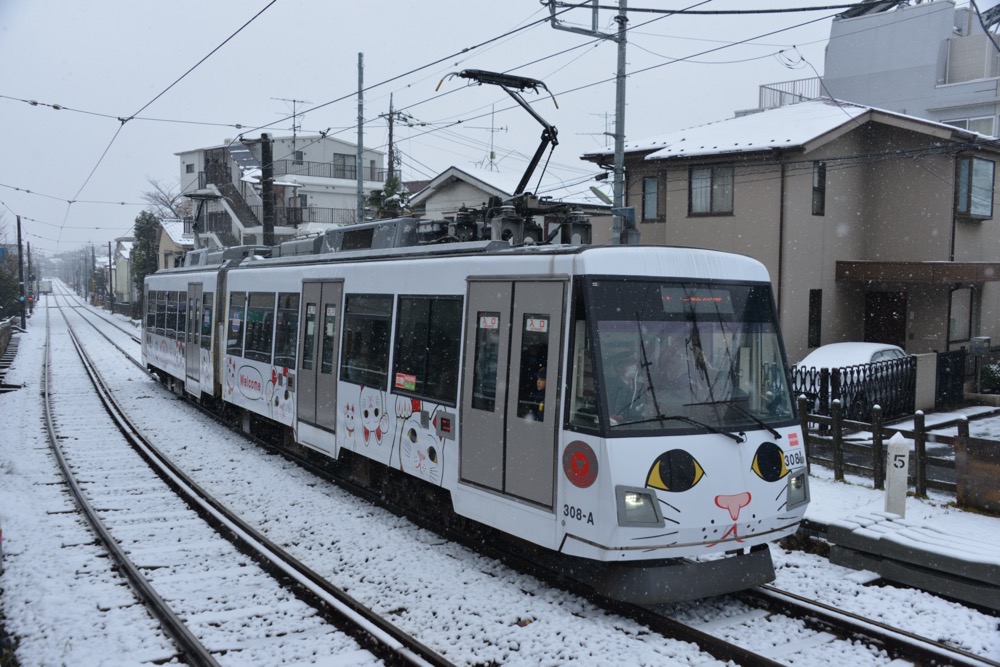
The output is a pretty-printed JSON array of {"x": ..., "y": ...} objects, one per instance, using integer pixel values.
[{"x": 625, "y": 408}]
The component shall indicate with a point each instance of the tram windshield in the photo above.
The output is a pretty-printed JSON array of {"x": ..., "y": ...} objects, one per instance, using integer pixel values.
[{"x": 655, "y": 356}]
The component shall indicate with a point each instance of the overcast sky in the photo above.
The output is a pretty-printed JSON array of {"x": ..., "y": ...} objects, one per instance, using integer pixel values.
[{"x": 109, "y": 59}]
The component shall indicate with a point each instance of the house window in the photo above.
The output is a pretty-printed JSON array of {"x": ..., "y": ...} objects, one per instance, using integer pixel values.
[
  {"x": 344, "y": 165},
  {"x": 974, "y": 187},
  {"x": 815, "y": 317},
  {"x": 650, "y": 198},
  {"x": 819, "y": 188},
  {"x": 296, "y": 157},
  {"x": 711, "y": 191},
  {"x": 189, "y": 169},
  {"x": 960, "y": 319},
  {"x": 983, "y": 125}
]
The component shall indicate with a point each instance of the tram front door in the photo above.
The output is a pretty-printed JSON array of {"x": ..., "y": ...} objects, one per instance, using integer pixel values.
[{"x": 510, "y": 410}]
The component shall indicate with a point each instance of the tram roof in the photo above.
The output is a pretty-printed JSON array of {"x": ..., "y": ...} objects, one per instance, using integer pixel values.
[{"x": 639, "y": 260}]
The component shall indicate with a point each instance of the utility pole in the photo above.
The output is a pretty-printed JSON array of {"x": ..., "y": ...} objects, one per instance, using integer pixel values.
[
  {"x": 621, "y": 233},
  {"x": 267, "y": 187},
  {"x": 31, "y": 284},
  {"x": 20, "y": 275},
  {"x": 361, "y": 137},
  {"x": 393, "y": 153},
  {"x": 92, "y": 281},
  {"x": 111, "y": 286}
]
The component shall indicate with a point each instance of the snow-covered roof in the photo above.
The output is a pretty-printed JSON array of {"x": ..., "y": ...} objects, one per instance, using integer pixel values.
[
  {"x": 125, "y": 248},
  {"x": 252, "y": 176},
  {"x": 303, "y": 138},
  {"x": 503, "y": 184},
  {"x": 792, "y": 126},
  {"x": 495, "y": 186},
  {"x": 174, "y": 228}
]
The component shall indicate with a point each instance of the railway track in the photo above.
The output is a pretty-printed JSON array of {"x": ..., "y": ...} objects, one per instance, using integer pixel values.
[
  {"x": 139, "y": 521},
  {"x": 890, "y": 643}
]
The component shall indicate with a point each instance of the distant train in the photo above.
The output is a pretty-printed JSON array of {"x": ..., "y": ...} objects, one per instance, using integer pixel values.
[{"x": 623, "y": 408}]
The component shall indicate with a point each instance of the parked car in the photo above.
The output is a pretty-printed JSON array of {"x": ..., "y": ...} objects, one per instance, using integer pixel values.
[
  {"x": 891, "y": 386},
  {"x": 838, "y": 355}
]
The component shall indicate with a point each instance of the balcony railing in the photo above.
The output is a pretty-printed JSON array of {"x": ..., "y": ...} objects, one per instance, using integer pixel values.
[
  {"x": 220, "y": 222},
  {"x": 326, "y": 170},
  {"x": 774, "y": 95},
  {"x": 212, "y": 222},
  {"x": 293, "y": 217}
]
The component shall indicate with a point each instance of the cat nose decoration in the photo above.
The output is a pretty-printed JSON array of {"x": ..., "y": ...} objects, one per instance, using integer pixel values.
[{"x": 733, "y": 503}]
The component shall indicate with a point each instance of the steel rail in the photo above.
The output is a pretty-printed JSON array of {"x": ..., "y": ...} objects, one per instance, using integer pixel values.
[
  {"x": 381, "y": 636},
  {"x": 188, "y": 644},
  {"x": 902, "y": 643}
]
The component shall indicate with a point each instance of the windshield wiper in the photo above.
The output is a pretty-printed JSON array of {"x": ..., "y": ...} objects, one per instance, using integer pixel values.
[
  {"x": 682, "y": 418},
  {"x": 733, "y": 403}
]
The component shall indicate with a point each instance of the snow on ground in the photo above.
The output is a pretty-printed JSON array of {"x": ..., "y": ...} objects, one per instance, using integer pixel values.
[{"x": 542, "y": 626}]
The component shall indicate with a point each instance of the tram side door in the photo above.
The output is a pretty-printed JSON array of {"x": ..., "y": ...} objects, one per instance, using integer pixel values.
[
  {"x": 510, "y": 410},
  {"x": 317, "y": 392},
  {"x": 192, "y": 346}
]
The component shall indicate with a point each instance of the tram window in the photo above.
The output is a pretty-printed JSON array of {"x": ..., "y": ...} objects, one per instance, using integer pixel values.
[
  {"x": 583, "y": 395},
  {"x": 161, "y": 313},
  {"x": 534, "y": 360},
  {"x": 286, "y": 330},
  {"x": 237, "y": 314},
  {"x": 206, "y": 320},
  {"x": 260, "y": 326},
  {"x": 309, "y": 337},
  {"x": 427, "y": 342},
  {"x": 171, "y": 323},
  {"x": 329, "y": 334},
  {"x": 182, "y": 314},
  {"x": 366, "y": 340},
  {"x": 484, "y": 371},
  {"x": 151, "y": 311}
]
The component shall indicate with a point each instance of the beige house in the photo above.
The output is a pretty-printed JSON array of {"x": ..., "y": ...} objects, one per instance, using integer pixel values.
[
  {"x": 124, "y": 288},
  {"x": 874, "y": 225},
  {"x": 444, "y": 195},
  {"x": 173, "y": 242}
]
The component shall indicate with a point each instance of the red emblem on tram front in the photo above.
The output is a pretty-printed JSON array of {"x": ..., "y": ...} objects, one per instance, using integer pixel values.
[{"x": 580, "y": 464}]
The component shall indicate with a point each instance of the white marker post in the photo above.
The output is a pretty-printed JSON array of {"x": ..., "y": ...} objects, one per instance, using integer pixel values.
[{"x": 896, "y": 470}]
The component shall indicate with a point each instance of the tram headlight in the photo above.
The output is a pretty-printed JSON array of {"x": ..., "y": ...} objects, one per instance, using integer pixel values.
[
  {"x": 798, "y": 489},
  {"x": 637, "y": 507}
]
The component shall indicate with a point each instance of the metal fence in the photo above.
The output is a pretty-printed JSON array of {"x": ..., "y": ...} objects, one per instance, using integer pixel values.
[
  {"x": 7, "y": 328},
  {"x": 890, "y": 384},
  {"x": 863, "y": 451}
]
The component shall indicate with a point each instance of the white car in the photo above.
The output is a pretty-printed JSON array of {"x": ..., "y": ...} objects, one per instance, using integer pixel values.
[
  {"x": 891, "y": 387},
  {"x": 838, "y": 355}
]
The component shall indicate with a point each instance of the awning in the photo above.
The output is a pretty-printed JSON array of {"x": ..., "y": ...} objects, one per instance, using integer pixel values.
[{"x": 929, "y": 273}]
